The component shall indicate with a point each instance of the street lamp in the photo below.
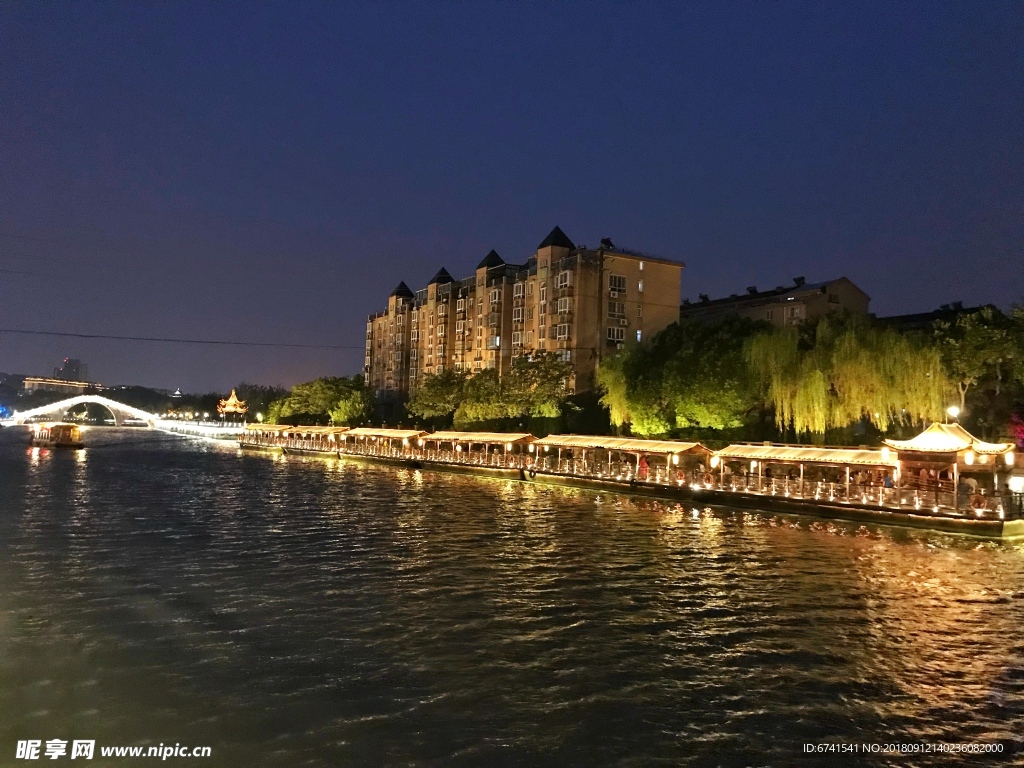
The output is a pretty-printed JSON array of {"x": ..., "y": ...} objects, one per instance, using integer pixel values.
[
  {"x": 259, "y": 417},
  {"x": 953, "y": 411}
]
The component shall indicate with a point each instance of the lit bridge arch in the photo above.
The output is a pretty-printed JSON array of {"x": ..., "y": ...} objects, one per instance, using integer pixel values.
[{"x": 120, "y": 411}]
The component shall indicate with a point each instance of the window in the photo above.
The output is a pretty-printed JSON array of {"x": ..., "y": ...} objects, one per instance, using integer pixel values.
[
  {"x": 616, "y": 334},
  {"x": 440, "y": 349},
  {"x": 640, "y": 286},
  {"x": 518, "y": 290},
  {"x": 442, "y": 310},
  {"x": 833, "y": 298},
  {"x": 617, "y": 283},
  {"x": 529, "y": 289},
  {"x": 543, "y": 294},
  {"x": 400, "y": 338},
  {"x": 517, "y": 315},
  {"x": 414, "y": 336},
  {"x": 639, "y": 333},
  {"x": 517, "y": 339},
  {"x": 494, "y": 342},
  {"x": 541, "y": 331},
  {"x": 564, "y": 305},
  {"x": 639, "y": 310},
  {"x": 769, "y": 314},
  {"x": 529, "y": 313},
  {"x": 564, "y": 279},
  {"x": 641, "y": 266},
  {"x": 529, "y": 337},
  {"x": 616, "y": 309},
  {"x": 495, "y": 296},
  {"x": 413, "y": 354},
  {"x": 563, "y": 330},
  {"x": 565, "y": 356},
  {"x": 460, "y": 304},
  {"x": 400, "y": 319},
  {"x": 440, "y": 331},
  {"x": 460, "y": 326}
]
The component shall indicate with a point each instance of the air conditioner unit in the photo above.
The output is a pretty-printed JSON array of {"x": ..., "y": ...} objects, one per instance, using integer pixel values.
[
  {"x": 619, "y": 345},
  {"x": 623, "y": 321},
  {"x": 613, "y": 294}
]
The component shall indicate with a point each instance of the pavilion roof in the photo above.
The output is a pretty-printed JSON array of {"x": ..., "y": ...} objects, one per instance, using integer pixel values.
[
  {"x": 629, "y": 444},
  {"x": 808, "y": 454},
  {"x": 948, "y": 438},
  {"x": 482, "y": 437},
  {"x": 396, "y": 434}
]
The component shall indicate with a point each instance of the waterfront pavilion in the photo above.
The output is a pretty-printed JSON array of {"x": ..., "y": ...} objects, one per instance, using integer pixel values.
[
  {"x": 619, "y": 458},
  {"x": 269, "y": 435},
  {"x": 805, "y": 471},
  {"x": 371, "y": 441},
  {"x": 304, "y": 438},
  {"x": 492, "y": 448},
  {"x": 938, "y": 458}
]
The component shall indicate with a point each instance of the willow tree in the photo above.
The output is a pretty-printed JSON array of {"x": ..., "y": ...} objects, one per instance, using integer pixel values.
[{"x": 848, "y": 371}]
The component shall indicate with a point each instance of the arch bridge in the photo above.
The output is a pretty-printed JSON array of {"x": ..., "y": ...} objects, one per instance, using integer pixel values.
[{"x": 120, "y": 411}]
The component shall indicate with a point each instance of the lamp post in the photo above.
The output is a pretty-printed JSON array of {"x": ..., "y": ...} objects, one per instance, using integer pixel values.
[{"x": 952, "y": 412}]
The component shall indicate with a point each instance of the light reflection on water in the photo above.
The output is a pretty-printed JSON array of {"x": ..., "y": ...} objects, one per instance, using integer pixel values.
[{"x": 321, "y": 612}]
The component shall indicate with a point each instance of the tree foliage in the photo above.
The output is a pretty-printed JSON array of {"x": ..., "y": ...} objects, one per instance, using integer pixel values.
[
  {"x": 840, "y": 371},
  {"x": 439, "y": 395},
  {"x": 340, "y": 400},
  {"x": 980, "y": 344},
  {"x": 691, "y": 375},
  {"x": 533, "y": 386}
]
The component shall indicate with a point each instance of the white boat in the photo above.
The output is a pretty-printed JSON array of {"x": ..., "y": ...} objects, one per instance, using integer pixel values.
[{"x": 57, "y": 435}]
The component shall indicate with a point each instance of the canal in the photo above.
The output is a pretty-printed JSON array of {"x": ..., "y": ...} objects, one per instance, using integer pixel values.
[{"x": 294, "y": 612}]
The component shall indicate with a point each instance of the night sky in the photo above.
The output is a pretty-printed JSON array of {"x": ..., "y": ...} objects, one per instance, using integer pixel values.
[{"x": 269, "y": 172}]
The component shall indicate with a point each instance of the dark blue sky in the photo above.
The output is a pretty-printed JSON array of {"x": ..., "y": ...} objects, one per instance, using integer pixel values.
[{"x": 269, "y": 172}]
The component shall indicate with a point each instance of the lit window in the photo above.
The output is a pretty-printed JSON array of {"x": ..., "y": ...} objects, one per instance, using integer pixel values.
[
  {"x": 638, "y": 334},
  {"x": 640, "y": 286}
]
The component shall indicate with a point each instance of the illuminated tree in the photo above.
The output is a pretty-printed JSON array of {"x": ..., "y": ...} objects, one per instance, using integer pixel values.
[
  {"x": 439, "y": 395},
  {"x": 847, "y": 370}
]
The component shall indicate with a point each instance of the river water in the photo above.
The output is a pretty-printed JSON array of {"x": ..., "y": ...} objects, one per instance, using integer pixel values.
[{"x": 292, "y": 612}]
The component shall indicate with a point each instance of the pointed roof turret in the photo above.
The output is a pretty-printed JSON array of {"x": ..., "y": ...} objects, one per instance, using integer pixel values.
[
  {"x": 492, "y": 259},
  {"x": 557, "y": 238},
  {"x": 441, "y": 277},
  {"x": 402, "y": 290}
]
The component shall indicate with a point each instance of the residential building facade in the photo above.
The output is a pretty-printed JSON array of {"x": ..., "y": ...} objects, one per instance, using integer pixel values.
[
  {"x": 784, "y": 305},
  {"x": 581, "y": 303}
]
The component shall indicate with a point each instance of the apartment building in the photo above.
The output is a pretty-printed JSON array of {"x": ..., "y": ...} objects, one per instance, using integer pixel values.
[
  {"x": 582, "y": 303},
  {"x": 784, "y": 305}
]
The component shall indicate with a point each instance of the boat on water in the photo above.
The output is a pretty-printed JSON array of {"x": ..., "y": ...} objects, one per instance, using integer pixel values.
[{"x": 57, "y": 435}]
